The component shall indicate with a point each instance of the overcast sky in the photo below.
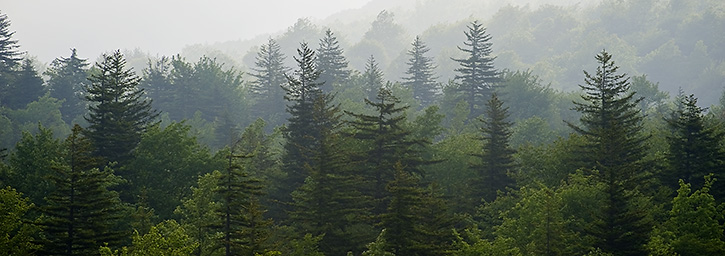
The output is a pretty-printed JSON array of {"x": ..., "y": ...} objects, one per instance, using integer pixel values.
[{"x": 49, "y": 28}]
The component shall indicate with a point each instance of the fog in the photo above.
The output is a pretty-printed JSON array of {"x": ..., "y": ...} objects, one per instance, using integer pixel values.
[{"x": 47, "y": 29}]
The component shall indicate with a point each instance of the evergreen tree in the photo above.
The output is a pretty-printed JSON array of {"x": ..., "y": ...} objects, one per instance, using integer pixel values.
[
  {"x": 372, "y": 78},
  {"x": 694, "y": 146},
  {"x": 331, "y": 62},
  {"x": 17, "y": 231},
  {"x": 267, "y": 89},
  {"x": 477, "y": 75},
  {"x": 158, "y": 84},
  {"x": 302, "y": 133},
  {"x": 241, "y": 222},
  {"x": 32, "y": 162},
  {"x": 496, "y": 156},
  {"x": 66, "y": 79},
  {"x": 329, "y": 202},
  {"x": 386, "y": 142},
  {"x": 420, "y": 74},
  {"x": 9, "y": 57},
  {"x": 81, "y": 215},
  {"x": 119, "y": 113},
  {"x": 199, "y": 215},
  {"x": 25, "y": 88},
  {"x": 615, "y": 147}
]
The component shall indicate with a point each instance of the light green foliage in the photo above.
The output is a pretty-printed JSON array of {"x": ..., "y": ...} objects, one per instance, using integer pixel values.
[
  {"x": 694, "y": 225},
  {"x": 470, "y": 243},
  {"x": 44, "y": 111},
  {"x": 526, "y": 96},
  {"x": 307, "y": 246},
  {"x": 16, "y": 231},
  {"x": 32, "y": 162},
  {"x": 198, "y": 213},
  {"x": 167, "y": 238},
  {"x": 533, "y": 131},
  {"x": 377, "y": 247}
]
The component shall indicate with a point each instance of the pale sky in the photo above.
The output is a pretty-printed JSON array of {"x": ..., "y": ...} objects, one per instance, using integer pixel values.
[{"x": 49, "y": 28}]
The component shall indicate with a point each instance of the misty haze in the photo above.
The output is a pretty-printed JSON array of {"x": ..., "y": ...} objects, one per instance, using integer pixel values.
[{"x": 364, "y": 127}]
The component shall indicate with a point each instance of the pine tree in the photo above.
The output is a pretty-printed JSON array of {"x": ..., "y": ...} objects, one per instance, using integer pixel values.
[
  {"x": 267, "y": 89},
  {"x": 158, "y": 84},
  {"x": 301, "y": 133},
  {"x": 331, "y": 62},
  {"x": 372, "y": 78},
  {"x": 496, "y": 156},
  {"x": 611, "y": 125},
  {"x": 694, "y": 146},
  {"x": 387, "y": 142},
  {"x": 420, "y": 74},
  {"x": 81, "y": 215},
  {"x": 477, "y": 75},
  {"x": 67, "y": 78},
  {"x": 9, "y": 57},
  {"x": 329, "y": 202},
  {"x": 118, "y": 112},
  {"x": 241, "y": 223},
  {"x": 25, "y": 88}
]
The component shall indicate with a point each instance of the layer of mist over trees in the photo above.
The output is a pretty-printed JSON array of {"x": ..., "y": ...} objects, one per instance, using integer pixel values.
[{"x": 474, "y": 137}]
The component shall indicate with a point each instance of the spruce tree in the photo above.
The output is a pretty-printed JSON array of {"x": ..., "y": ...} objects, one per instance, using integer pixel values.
[
  {"x": 386, "y": 141},
  {"x": 25, "y": 88},
  {"x": 118, "y": 112},
  {"x": 301, "y": 132},
  {"x": 158, "y": 84},
  {"x": 81, "y": 215},
  {"x": 240, "y": 216},
  {"x": 329, "y": 203},
  {"x": 611, "y": 123},
  {"x": 66, "y": 79},
  {"x": 270, "y": 73},
  {"x": 372, "y": 78},
  {"x": 496, "y": 157},
  {"x": 9, "y": 57},
  {"x": 419, "y": 75},
  {"x": 694, "y": 146},
  {"x": 331, "y": 62},
  {"x": 477, "y": 75}
]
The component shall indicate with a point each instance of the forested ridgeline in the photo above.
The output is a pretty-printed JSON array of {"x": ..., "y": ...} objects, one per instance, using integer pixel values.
[{"x": 318, "y": 157}]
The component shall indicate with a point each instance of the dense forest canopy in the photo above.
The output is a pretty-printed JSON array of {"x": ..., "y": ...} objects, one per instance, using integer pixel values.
[{"x": 406, "y": 128}]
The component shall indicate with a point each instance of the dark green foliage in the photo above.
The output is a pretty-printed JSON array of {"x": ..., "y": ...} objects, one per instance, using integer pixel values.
[
  {"x": 476, "y": 73},
  {"x": 32, "y": 162},
  {"x": 27, "y": 86},
  {"x": 496, "y": 157},
  {"x": 9, "y": 58},
  {"x": 386, "y": 141},
  {"x": 81, "y": 214},
  {"x": 695, "y": 146},
  {"x": 419, "y": 75},
  {"x": 67, "y": 77},
  {"x": 372, "y": 79},
  {"x": 267, "y": 90},
  {"x": 302, "y": 132},
  {"x": 331, "y": 62},
  {"x": 611, "y": 123},
  {"x": 118, "y": 113},
  {"x": 240, "y": 217},
  {"x": 166, "y": 163},
  {"x": 329, "y": 203}
]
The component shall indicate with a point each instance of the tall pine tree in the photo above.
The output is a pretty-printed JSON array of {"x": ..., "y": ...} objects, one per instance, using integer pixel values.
[
  {"x": 66, "y": 79},
  {"x": 269, "y": 72},
  {"x": 477, "y": 75},
  {"x": 9, "y": 57},
  {"x": 611, "y": 123},
  {"x": 331, "y": 62},
  {"x": 25, "y": 88},
  {"x": 372, "y": 78},
  {"x": 694, "y": 146},
  {"x": 81, "y": 215},
  {"x": 119, "y": 113},
  {"x": 496, "y": 157},
  {"x": 420, "y": 76},
  {"x": 301, "y": 133}
]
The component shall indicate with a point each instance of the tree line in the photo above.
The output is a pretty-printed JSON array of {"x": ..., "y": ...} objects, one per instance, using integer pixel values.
[{"x": 342, "y": 162}]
